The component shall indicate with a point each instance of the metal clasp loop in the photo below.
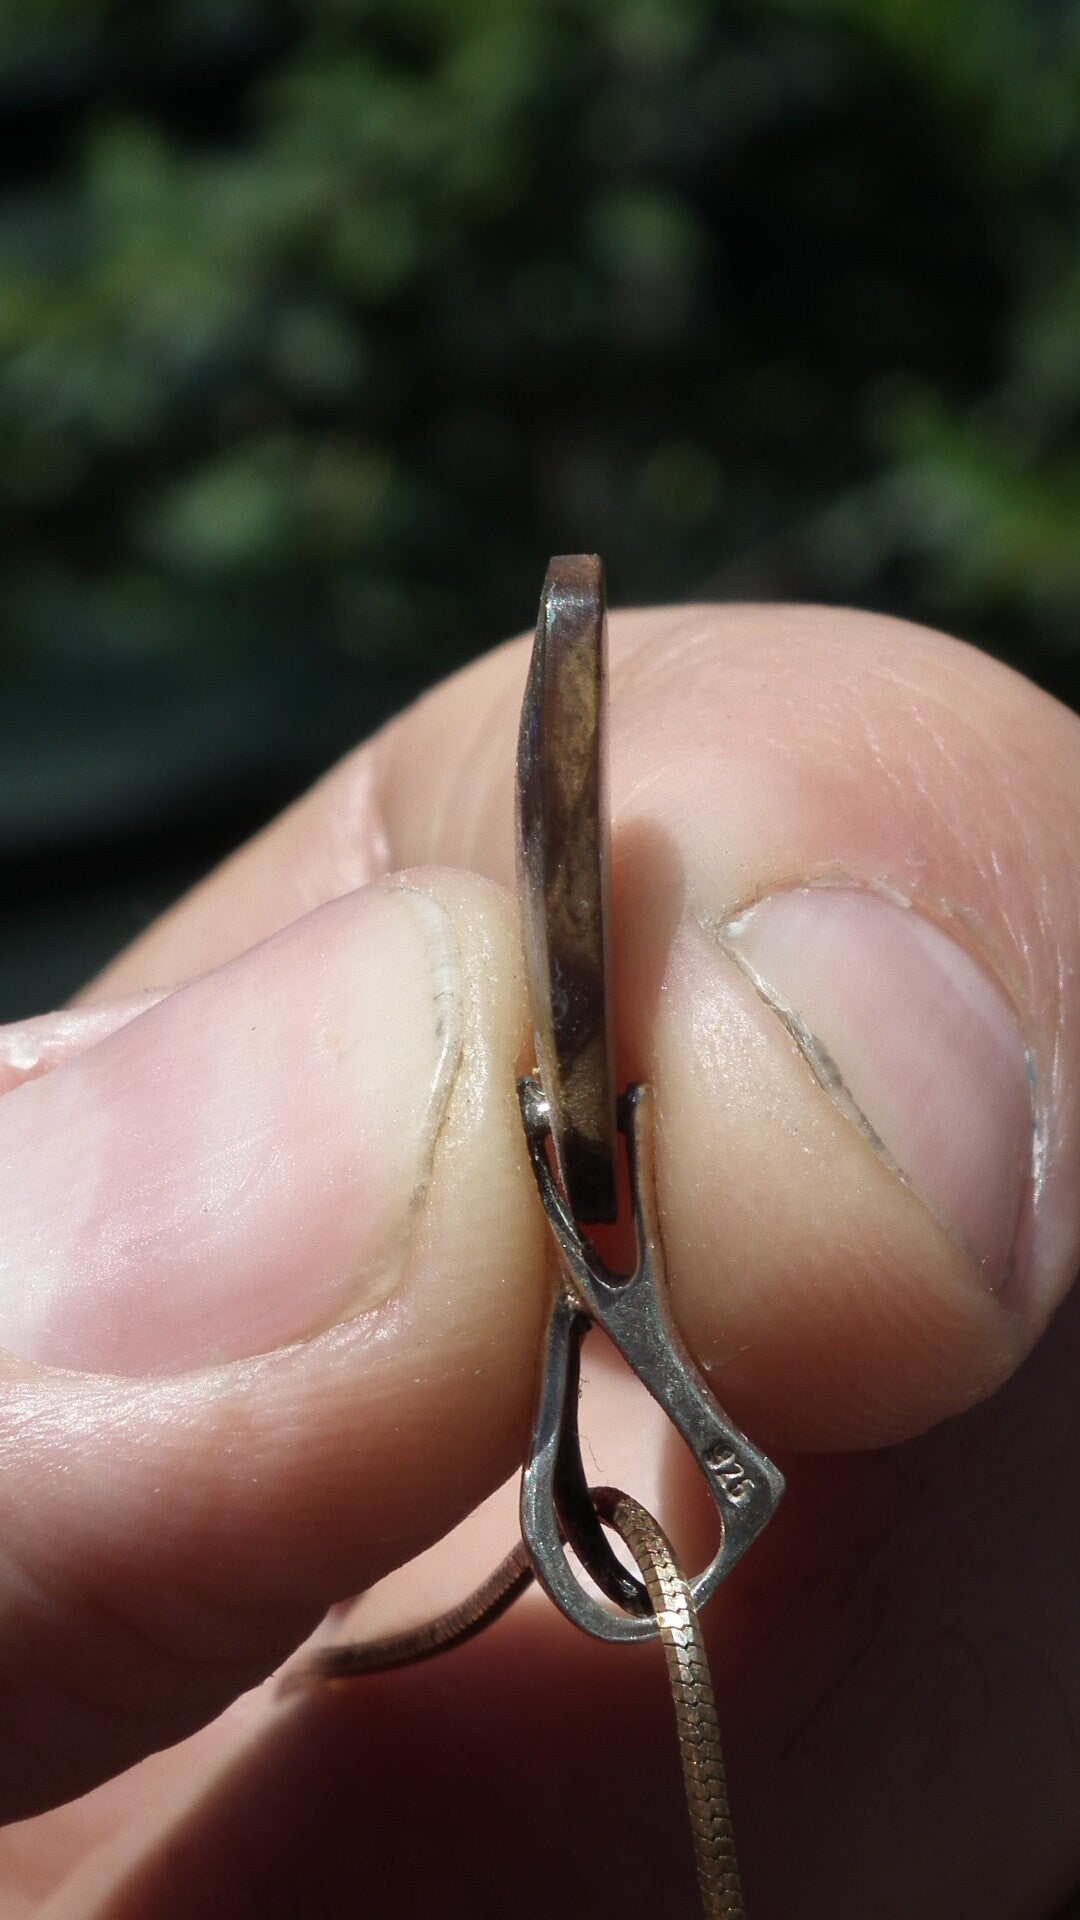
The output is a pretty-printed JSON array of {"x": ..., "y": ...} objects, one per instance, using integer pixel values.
[{"x": 633, "y": 1310}]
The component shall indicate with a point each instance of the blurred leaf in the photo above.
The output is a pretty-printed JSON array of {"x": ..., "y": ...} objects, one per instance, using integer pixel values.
[{"x": 321, "y": 325}]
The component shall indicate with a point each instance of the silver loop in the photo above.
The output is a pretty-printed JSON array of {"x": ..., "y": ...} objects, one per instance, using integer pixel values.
[{"x": 633, "y": 1311}]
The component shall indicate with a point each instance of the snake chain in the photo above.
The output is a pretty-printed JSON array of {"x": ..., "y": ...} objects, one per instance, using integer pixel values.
[{"x": 687, "y": 1665}]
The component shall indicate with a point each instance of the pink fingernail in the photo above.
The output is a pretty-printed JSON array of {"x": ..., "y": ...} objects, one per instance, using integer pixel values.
[{"x": 915, "y": 1039}]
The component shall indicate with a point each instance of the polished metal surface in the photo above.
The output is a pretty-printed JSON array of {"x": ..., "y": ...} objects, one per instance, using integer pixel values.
[
  {"x": 562, "y": 844},
  {"x": 633, "y": 1309},
  {"x": 672, "y": 1603},
  {"x": 459, "y": 1623}
]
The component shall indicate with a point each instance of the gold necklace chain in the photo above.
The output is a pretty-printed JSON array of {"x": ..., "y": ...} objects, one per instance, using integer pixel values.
[{"x": 680, "y": 1632}]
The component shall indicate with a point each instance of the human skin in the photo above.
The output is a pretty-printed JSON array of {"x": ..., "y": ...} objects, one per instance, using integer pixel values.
[{"x": 273, "y": 1278}]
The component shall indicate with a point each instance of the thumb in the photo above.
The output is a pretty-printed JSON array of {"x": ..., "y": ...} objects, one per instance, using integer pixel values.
[
  {"x": 846, "y": 880},
  {"x": 301, "y": 1181},
  {"x": 844, "y": 1274}
]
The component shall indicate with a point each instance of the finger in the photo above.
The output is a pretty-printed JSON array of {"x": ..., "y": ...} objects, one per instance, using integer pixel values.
[
  {"x": 898, "y": 1681},
  {"x": 869, "y": 1086},
  {"x": 302, "y": 1180},
  {"x": 311, "y": 1815},
  {"x": 29, "y": 1048},
  {"x": 41, "y": 1854},
  {"x": 119, "y": 1822}
]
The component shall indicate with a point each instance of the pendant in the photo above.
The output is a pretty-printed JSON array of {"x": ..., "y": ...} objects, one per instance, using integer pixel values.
[{"x": 573, "y": 1123}]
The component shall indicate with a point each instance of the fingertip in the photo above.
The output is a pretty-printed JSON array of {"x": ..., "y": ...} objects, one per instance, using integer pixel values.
[
  {"x": 825, "y": 1302},
  {"x": 170, "y": 1537}
]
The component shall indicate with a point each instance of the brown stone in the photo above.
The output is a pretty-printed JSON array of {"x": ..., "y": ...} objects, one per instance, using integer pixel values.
[{"x": 563, "y": 837}]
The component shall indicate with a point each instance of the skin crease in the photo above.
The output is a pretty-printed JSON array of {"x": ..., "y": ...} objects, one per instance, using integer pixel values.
[{"x": 897, "y": 1669}]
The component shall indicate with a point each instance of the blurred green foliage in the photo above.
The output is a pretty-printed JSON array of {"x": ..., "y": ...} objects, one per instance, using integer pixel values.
[{"x": 321, "y": 325}]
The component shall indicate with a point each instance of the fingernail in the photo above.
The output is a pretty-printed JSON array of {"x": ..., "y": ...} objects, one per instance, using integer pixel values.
[
  {"x": 914, "y": 1039},
  {"x": 244, "y": 1164}
]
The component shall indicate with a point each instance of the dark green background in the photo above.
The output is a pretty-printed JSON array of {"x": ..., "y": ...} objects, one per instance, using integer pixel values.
[{"x": 321, "y": 326}]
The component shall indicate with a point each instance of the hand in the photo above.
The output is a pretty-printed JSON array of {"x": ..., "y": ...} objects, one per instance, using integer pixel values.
[{"x": 273, "y": 1285}]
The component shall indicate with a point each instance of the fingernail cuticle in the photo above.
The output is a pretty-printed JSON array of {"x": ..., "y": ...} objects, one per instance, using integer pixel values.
[{"x": 914, "y": 1040}]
